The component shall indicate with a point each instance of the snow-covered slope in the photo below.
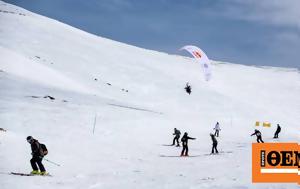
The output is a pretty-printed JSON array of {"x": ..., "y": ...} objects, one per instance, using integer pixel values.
[{"x": 138, "y": 98}]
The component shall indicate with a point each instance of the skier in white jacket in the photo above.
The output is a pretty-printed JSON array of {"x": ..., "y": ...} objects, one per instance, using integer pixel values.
[{"x": 217, "y": 128}]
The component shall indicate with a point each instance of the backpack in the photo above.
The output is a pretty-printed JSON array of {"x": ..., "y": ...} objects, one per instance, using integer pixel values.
[{"x": 44, "y": 150}]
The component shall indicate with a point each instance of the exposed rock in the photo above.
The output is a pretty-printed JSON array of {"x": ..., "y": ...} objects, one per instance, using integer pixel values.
[{"x": 50, "y": 97}]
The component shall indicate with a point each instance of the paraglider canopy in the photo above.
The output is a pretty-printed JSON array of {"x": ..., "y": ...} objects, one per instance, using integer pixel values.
[{"x": 201, "y": 57}]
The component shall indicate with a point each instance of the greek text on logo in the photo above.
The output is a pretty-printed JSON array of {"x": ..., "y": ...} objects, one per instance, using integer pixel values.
[{"x": 275, "y": 162}]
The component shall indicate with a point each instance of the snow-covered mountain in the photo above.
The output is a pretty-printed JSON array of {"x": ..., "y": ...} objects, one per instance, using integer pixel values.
[{"x": 137, "y": 97}]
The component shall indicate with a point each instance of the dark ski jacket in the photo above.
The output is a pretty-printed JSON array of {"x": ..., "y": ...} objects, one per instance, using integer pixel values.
[
  {"x": 185, "y": 139},
  {"x": 213, "y": 138},
  {"x": 177, "y": 133},
  {"x": 257, "y": 133},
  {"x": 278, "y": 129},
  {"x": 36, "y": 149},
  {"x": 188, "y": 89}
]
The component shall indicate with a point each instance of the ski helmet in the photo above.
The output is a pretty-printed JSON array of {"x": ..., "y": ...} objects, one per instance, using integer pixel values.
[{"x": 29, "y": 139}]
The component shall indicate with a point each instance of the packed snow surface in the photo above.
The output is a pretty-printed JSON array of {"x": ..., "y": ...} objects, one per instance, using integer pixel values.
[{"x": 116, "y": 106}]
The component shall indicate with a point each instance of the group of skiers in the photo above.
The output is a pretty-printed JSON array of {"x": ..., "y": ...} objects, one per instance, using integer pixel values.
[
  {"x": 38, "y": 150},
  {"x": 185, "y": 138},
  {"x": 259, "y": 136}
]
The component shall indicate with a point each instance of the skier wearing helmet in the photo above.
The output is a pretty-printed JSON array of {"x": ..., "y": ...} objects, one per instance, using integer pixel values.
[{"x": 37, "y": 157}]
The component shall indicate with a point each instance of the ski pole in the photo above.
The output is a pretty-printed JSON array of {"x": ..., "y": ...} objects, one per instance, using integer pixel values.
[
  {"x": 51, "y": 162},
  {"x": 95, "y": 120}
]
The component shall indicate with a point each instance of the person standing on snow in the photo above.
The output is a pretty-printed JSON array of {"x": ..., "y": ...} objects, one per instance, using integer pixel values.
[
  {"x": 258, "y": 135},
  {"x": 277, "y": 131},
  {"x": 37, "y": 156},
  {"x": 177, "y": 134},
  {"x": 185, "y": 148},
  {"x": 217, "y": 128},
  {"x": 188, "y": 88},
  {"x": 215, "y": 143}
]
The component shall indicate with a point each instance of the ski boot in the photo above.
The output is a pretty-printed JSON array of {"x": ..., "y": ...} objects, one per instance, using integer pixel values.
[
  {"x": 35, "y": 172},
  {"x": 43, "y": 173}
]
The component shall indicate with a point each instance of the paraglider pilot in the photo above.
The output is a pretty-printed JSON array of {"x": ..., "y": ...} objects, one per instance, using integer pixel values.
[{"x": 188, "y": 88}]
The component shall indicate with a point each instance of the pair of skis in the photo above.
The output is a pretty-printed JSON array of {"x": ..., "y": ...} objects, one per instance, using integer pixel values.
[
  {"x": 199, "y": 155},
  {"x": 28, "y": 174}
]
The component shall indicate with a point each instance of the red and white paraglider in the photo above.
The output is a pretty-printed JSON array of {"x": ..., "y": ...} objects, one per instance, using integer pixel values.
[{"x": 201, "y": 57}]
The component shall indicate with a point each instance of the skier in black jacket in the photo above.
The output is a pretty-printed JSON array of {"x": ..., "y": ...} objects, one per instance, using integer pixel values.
[
  {"x": 184, "y": 140},
  {"x": 177, "y": 134},
  {"x": 37, "y": 156},
  {"x": 215, "y": 143},
  {"x": 258, "y": 135},
  {"x": 277, "y": 131}
]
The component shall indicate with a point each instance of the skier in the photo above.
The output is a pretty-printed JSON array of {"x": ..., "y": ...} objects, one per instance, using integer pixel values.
[
  {"x": 188, "y": 88},
  {"x": 217, "y": 128},
  {"x": 37, "y": 156},
  {"x": 177, "y": 134},
  {"x": 215, "y": 143},
  {"x": 185, "y": 148},
  {"x": 258, "y": 135},
  {"x": 277, "y": 131}
]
